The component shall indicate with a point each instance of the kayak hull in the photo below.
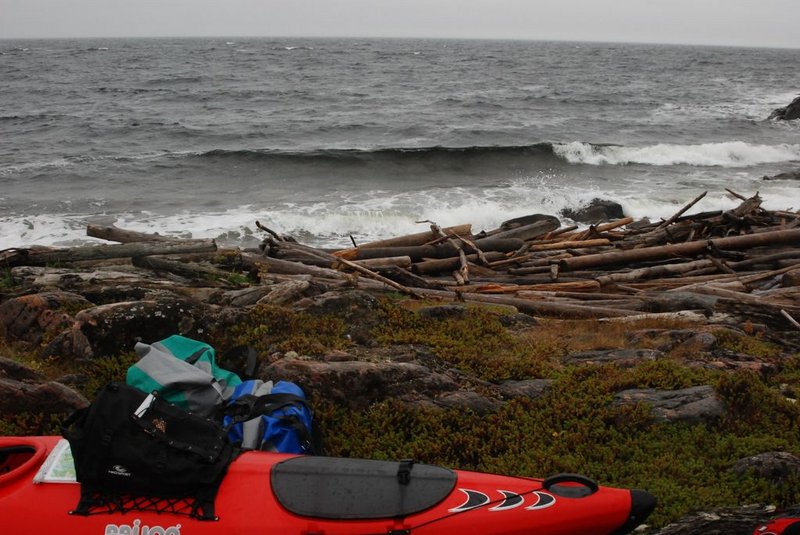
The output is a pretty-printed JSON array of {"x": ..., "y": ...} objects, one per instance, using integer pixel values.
[
  {"x": 789, "y": 525},
  {"x": 246, "y": 504}
]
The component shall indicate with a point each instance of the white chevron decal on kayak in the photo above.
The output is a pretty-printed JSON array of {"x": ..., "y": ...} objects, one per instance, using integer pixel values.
[
  {"x": 543, "y": 500},
  {"x": 474, "y": 499},
  {"x": 512, "y": 500}
]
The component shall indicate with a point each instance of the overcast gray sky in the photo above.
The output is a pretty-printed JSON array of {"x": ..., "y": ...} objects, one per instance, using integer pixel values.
[{"x": 722, "y": 22}]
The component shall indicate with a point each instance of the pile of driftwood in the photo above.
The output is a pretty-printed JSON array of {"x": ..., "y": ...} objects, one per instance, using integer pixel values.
[{"x": 743, "y": 263}]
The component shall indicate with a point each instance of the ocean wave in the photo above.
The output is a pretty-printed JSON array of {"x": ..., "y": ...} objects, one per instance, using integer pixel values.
[
  {"x": 533, "y": 157},
  {"x": 389, "y": 153},
  {"x": 725, "y": 154}
]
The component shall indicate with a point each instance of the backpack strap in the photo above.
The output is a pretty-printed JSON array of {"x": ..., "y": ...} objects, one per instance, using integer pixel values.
[{"x": 249, "y": 406}]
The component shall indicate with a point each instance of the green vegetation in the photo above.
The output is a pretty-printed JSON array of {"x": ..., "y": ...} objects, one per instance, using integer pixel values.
[
  {"x": 6, "y": 280},
  {"x": 574, "y": 427},
  {"x": 270, "y": 328}
]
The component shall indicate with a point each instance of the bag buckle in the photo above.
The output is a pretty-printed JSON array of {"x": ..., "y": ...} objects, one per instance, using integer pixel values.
[{"x": 142, "y": 409}]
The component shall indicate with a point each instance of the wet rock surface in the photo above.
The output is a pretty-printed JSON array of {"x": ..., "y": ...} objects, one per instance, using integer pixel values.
[
  {"x": 775, "y": 466},
  {"x": 50, "y": 397},
  {"x": 597, "y": 210},
  {"x": 358, "y": 384},
  {"x": 699, "y": 404},
  {"x": 789, "y": 112},
  {"x": 726, "y": 521},
  {"x": 621, "y": 357}
]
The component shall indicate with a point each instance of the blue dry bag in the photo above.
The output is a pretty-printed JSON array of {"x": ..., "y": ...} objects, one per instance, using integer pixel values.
[{"x": 263, "y": 416}]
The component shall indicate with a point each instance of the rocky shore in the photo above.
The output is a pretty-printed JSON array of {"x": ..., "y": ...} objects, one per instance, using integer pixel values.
[{"x": 662, "y": 355}]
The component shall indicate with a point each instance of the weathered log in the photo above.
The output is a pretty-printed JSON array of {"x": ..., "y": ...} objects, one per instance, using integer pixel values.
[
  {"x": 679, "y": 231},
  {"x": 681, "y": 211},
  {"x": 44, "y": 256},
  {"x": 765, "y": 259},
  {"x": 514, "y": 260},
  {"x": 678, "y": 250},
  {"x": 652, "y": 272},
  {"x": 745, "y": 298},
  {"x": 605, "y": 227},
  {"x": 690, "y": 316},
  {"x": 757, "y": 313},
  {"x": 112, "y": 233},
  {"x": 481, "y": 271},
  {"x": 790, "y": 319},
  {"x": 573, "y": 286},
  {"x": 276, "y": 265},
  {"x": 749, "y": 205},
  {"x": 782, "y": 295},
  {"x": 462, "y": 273},
  {"x": 533, "y": 280},
  {"x": 474, "y": 249},
  {"x": 191, "y": 270},
  {"x": 419, "y": 252},
  {"x": 409, "y": 240},
  {"x": 729, "y": 282},
  {"x": 377, "y": 263},
  {"x": 72, "y": 278},
  {"x": 379, "y": 278},
  {"x": 406, "y": 278},
  {"x": 338, "y": 261},
  {"x": 563, "y": 232},
  {"x": 579, "y": 296},
  {"x": 569, "y": 245},
  {"x": 538, "y": 308},
  {"x": 567, "y": 234},
  {"x": 756, "y": 277},
  {"x": 291, "y": 250},
  {"x": 532, "y": 270},
  {"x": 292, "y": 255},
  {"x": 531, "y": 231},
  {"x": 428, "y": 267}
]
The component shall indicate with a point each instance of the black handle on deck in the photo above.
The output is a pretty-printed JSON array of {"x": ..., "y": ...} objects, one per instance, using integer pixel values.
[{"x": 571, "y": 478}]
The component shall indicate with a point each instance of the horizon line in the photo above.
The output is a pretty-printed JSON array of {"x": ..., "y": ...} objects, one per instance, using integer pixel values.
[{"x": 389, "y": 37}]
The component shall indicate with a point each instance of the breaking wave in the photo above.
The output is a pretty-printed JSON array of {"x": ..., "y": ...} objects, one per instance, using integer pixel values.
[{"x": 726, "y": 154}]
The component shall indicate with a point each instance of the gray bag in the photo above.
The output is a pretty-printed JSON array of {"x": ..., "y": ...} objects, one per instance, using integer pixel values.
[{"x": 184, "y": 372}]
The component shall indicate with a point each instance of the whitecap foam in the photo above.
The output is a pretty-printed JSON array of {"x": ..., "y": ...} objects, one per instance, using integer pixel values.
[
  {"x": 725, "y": 154},
  {"x": 376, "y": 215},
  {"x": 371, "y": 215},
  {"x": 60, "y": 163}
]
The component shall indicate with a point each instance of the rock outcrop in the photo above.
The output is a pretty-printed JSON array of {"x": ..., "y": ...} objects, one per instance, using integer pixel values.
[
  {"x": 49, "y": 398},
  {"x": 597, "y": 210},
  {"x": 359, "y": 384},
  {"x": 698, "y": 404},
  {"x": 788, "y": 175},
  {"x": 787, "y": 113},
  {"x": 727, "y": 521},
  {"x": 775, "y": 466}
]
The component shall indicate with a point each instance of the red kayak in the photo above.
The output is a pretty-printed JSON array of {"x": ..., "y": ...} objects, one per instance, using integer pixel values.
[
  {"x": 281, "y": 494},
  {"x": 786, "y": 524}
]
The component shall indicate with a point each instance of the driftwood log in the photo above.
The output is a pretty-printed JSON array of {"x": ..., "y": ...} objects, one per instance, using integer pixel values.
[
  {"x": 44, "y": 256},
  {"x": 681, "y": 249}
]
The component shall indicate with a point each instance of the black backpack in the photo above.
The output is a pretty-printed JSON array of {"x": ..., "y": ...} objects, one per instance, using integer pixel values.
[{"x": 134, "y": 450}]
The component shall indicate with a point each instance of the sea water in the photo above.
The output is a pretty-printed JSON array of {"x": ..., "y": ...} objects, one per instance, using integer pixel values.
[{"x": 324, "y": 139}]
